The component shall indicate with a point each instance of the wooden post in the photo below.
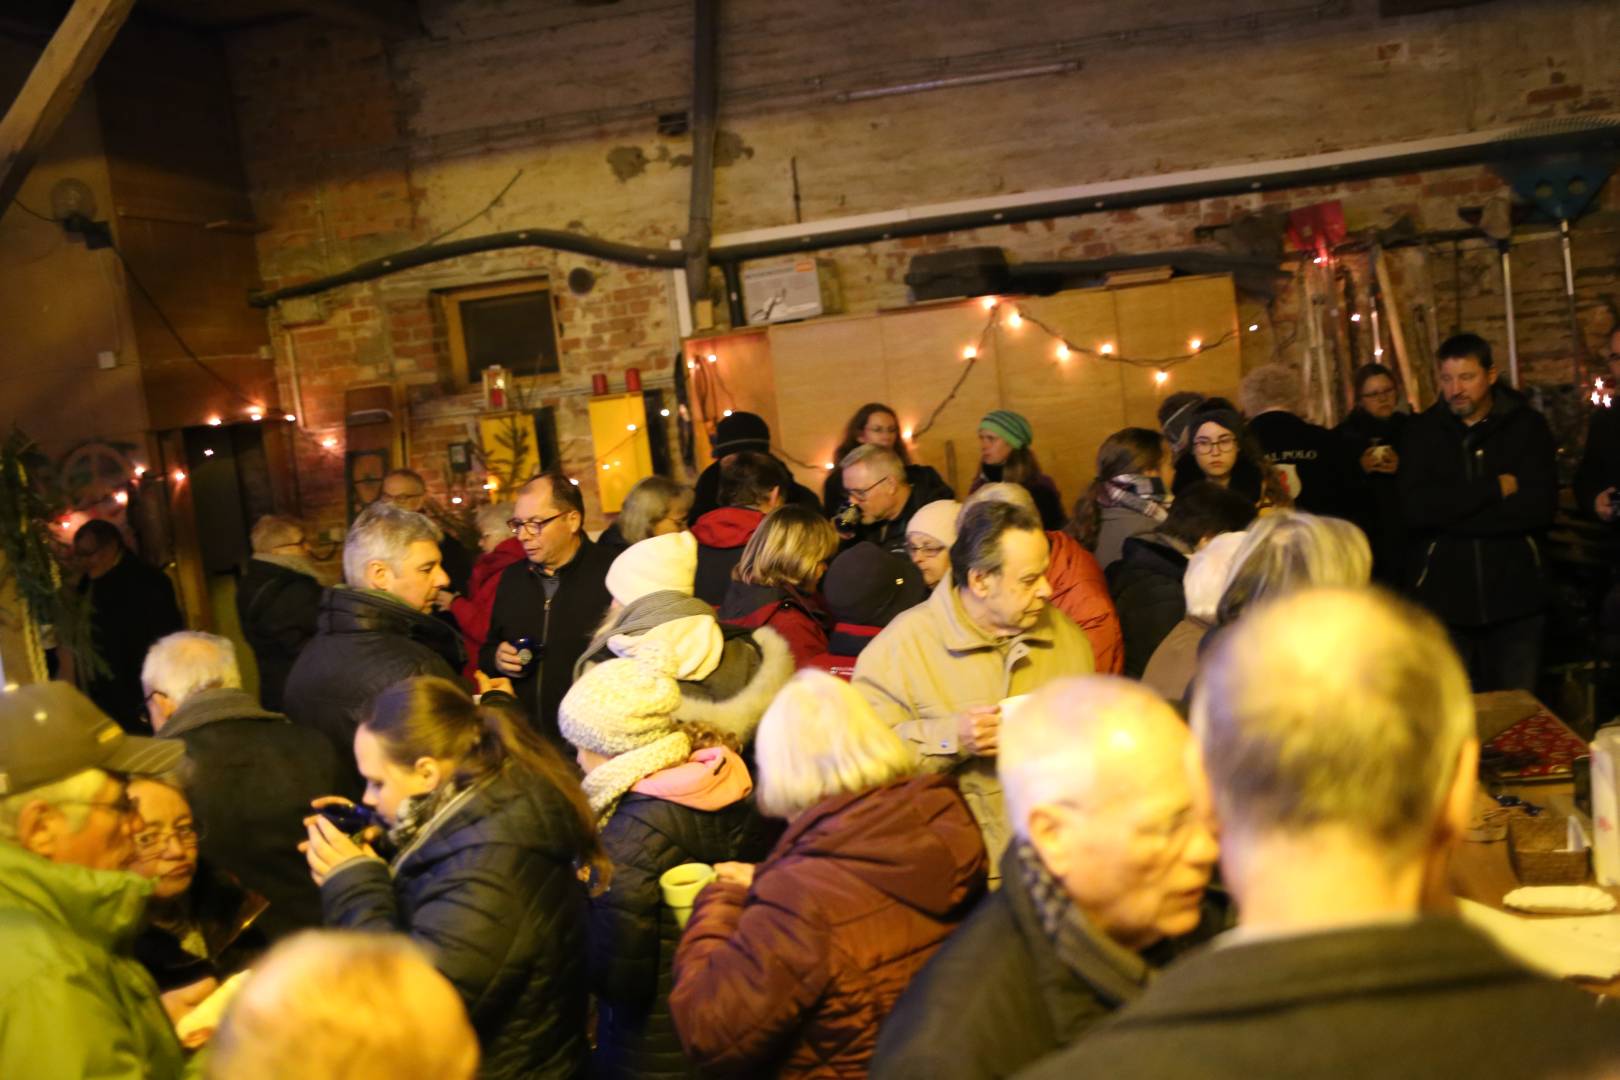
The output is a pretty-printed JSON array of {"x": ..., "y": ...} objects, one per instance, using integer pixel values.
[
  {"x": 1392, "y": 310},
  {"x": 53, "y": 86}
]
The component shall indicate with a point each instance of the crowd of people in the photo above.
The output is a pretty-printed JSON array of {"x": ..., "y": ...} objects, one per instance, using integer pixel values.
[{"x": 1151, "y": 784}]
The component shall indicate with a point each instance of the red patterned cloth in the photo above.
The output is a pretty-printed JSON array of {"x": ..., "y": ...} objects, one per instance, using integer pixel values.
[{"x": 1544, "y": 735}]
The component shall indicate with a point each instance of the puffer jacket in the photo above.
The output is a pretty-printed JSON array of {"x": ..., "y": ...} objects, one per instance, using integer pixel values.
[
  {"x": 365, "y": 643},
  {"x": 1080, "y": 591},
  {"x": 933, "y": 662},
  {"x": 1476, "y": 556},
  {"x": 793, "y": 976},
  {"x": 1149, "y": 594},
  {"x": 488, "y": 888},
  {"x": 634, "y": 936},
  {"x": 800, "y": 620},
  {"x": 73, "y": 1002}
]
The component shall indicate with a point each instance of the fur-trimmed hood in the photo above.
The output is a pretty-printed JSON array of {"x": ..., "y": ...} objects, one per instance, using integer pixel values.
[{"x": 739, "y": 713}]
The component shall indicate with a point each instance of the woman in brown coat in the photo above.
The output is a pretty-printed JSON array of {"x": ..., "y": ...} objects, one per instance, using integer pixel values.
[{"x": 787, "y": 969}]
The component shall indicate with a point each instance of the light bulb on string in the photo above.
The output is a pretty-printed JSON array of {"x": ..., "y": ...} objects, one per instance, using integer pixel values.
[
  {"x": 1195, "y": 344},
  {"x": 1014, "y": 320},
  {"x": 140, "y": 471},
  {"x": 255, "y": 414},
  {"x": 208, "y": 453},
  {"x": 663, "y": 412},
  {"x": 1356, "y": 317},
  {"x": 969, "y": 352},
  {"x": 831, "y": 466},
  {"x": 712, "y": 358},
  {"x": 1106, "y": 348},
  {"x": 290, "y": 418},
  {"x": 1161, "y": 376},
  {"x": 455, "y": 500},
  {"x": 179, "y": 476},
  {"x": 1378, "y": 351},
  {"x": 906, "y": 434},
  {"x": 989, "y": 303},
  {"x": 691, "y": 365},
  {"x": 1606, "y": 400},
  {"x": 121, "y": 498},
  {"x": 329, "y": 442},
  {"x": 1253, "y": 327},
  {"x": 214, "y": 421},
  {"x": 1062, "y": 353},
  {"x": 726, "y": 413},
  {"x": 630, "y": 427}
]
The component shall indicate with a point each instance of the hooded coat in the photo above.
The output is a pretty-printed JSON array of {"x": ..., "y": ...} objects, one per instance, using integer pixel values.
[
  {"x": 365, "y": 643},
  {"x": 721, "y": 535},
  {"x": 74, "y": 1002},
  {"x": 1080, "y": 591},
  {"x": 793, "y": 976},
  {"x": 472, "y": 611},
  {"x": 799, "y": 619},
  {"x": 488, "y": 888},
  {"x": 697, "y": 812}
]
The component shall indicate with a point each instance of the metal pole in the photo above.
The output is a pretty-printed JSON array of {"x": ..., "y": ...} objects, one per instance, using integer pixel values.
[
  {"x": 1507, "y": 300},
  {"x": 1575, "y": 343}
]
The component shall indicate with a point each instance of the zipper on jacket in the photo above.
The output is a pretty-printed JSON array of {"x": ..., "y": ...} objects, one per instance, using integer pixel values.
[{"x": 1428, "y": 557}]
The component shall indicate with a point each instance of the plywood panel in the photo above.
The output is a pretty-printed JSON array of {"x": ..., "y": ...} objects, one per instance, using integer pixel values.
[
  {"x": 1161, "y": 321},
  {"x": 824, "y": 371},
  {"x": 740, "y": 379}
]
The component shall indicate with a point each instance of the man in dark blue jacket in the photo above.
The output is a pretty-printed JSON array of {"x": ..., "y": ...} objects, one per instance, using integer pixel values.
[{"x": 1479, "y": 485}]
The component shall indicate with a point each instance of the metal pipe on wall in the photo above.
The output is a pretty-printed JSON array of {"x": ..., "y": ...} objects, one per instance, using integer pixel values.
[
  {"x": 705, "y": 129},
  {"x": 1507, "y": 300}
]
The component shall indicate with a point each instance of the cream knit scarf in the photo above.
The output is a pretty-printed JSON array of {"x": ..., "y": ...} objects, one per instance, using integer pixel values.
[{"x": 606, "y": 784}]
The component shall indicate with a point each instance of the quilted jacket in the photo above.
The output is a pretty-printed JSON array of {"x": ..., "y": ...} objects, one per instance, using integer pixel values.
[{"x": 793, "y": 976}]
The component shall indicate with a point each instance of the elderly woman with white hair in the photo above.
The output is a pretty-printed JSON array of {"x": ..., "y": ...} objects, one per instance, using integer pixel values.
[{"x": 788, "y": 968}]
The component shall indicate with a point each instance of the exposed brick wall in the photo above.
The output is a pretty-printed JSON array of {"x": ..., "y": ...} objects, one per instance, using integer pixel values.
[{"x": 354, "y": 150}]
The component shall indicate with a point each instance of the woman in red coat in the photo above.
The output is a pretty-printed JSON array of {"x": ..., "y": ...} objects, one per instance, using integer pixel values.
[
  {"x": 500, "y": 549},
  {"x": 776, "y": 579},
  {"x": 788, "y": 968}
]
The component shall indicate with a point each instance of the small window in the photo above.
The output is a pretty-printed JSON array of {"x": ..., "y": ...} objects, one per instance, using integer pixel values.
[{"x": 511, "y": 324}]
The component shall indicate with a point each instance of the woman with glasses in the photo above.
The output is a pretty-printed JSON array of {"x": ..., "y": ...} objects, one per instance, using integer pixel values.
[
  {"x": 1374, "y": 429},
  {"x": 1222, "y": 452},
  {"x": 929, "y": 536},
  {"x": 201, "y": 925}
]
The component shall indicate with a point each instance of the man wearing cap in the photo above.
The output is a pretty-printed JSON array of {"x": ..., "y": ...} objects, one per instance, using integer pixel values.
[
  {"x": 864, "y": 589},
  {"x": 1005, "y": 457},
  {"x": 888, "y": 494},
  {"x": 736, "y": 433},
  {"x": 74, "y": 1002}
]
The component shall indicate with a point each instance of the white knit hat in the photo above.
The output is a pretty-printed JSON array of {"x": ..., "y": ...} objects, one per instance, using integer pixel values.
[
  {"x": 621, "y": 705},
  {"x": 938, "y": 520},
  {"x": 665, "y": 563}
]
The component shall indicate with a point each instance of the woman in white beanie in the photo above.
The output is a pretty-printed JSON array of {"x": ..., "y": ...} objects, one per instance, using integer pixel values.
[
  {"x": 665, "y": 792},
  {"x": 929, "y": 536}
]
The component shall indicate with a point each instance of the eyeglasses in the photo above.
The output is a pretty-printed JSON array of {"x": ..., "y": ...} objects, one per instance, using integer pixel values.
[
  {"x": 1379, "y": 395},
  {"x": 927, "y": 551},
  {"x": 862, "y": 494},
  {"x": 1209, "y": 446},
  {"x": 152, "y": 841},
  {"x": 531, "y": 526}
]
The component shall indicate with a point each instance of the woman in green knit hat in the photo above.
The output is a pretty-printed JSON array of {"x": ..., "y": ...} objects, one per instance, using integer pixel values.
[{"x": 1005, "y": 456}]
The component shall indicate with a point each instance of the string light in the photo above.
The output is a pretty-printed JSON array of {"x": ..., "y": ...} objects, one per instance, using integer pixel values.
[
  {"x": 691, "y": 365},
  {"x": 290, "y": 418},
  {"x": 969, "y": 352},
  {"x": 726, "y": 413},
  {"x": 712, "y": 358},
  {"x": 906, "y": 434},
  {"x": 455, "y": 500},
  {"x": 140, "y": 471},
  {"x": 255, "y": 414},
  {"x": 1253, "y": 327},
  {"x": 121, "y": 498},
  {"x": 571, "y": 480},
  {"x": 214, "y": 421},
  {"x": 208, "y": 453},
  {"x": 329, "y": 442},
  {"x": 1378, "y": 351},
  {"x": 1195, "y": 344},
  {"x": 1161, "y": 376},
  {"x": 179, "y": 476},
  {"x": 1015, "y": 320},
  {"x": 1356, "y": 317},
  {"x": 629, "y": 427},
  {"x": 1062, "y": 353},
  {"x": 663, "y": 412},
  {"x": 831, "y": 466},
  {"x": 1107, "y": 348},
  {"x": 989, "y": 303}
]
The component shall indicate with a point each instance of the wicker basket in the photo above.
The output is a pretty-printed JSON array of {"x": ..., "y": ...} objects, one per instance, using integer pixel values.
[{"x": 1533, "y": 844}]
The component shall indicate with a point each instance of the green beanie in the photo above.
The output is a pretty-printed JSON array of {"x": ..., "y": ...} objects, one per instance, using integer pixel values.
[{"x": 1009, "y": 426}]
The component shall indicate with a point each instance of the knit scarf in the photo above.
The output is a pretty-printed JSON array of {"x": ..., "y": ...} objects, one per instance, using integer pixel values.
[
  {"x": 1108, "y": 967},
  {"x": 1144, "y": 494},
  {"x": 417, "y": 812},
  {"x": 606, "y": 784}
]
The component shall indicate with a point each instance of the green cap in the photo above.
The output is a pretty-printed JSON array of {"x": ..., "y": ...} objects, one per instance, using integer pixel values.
[
  {"x": 49, "y": 732},
  {"x": 1010, "y": 426}
]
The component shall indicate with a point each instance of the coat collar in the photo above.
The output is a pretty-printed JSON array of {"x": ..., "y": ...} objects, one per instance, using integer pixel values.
[
  {"x": 104, "y": 907},
  {"x": 959, "y": 633},
  {"x": 210, "y": 706}
]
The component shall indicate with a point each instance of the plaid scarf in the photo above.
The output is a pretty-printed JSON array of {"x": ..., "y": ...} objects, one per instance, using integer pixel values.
[
  {"x": 1144, "y": 494},
  {"x": 1109, "y": 968}
]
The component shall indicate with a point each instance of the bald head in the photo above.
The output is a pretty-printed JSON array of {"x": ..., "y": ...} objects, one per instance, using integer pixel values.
[{"x": 1101, "y": 786}]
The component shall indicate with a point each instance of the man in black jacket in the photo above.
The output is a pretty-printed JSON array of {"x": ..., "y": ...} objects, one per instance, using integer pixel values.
[
  {"x": 1479, "y": 485},
  {"x": 1337, "y": 732},
  {"x": 735, "y": 434},
  {"x": 1105, "y": 881},
  {"x": 276, "y": 601},
  {"x": 131, "y": 605},
  {"x": 556, "y": 598},
  {"x": 373, "y": 631},
  {"x": 1146, "y": 580},
  {"x": 1317, "y": 463},
  {"x": 254, "y": 773},
  {"x": 877, "y": 481}
]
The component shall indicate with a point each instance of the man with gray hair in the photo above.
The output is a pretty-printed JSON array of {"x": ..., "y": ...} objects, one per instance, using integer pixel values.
[
  {"x": 255, "y": 773},
  {"x": 277, "y": 599},
  {"x": 374, "y": 630},
  {"x": 1102, "y": 885},
  {"x": 1318, "y": 465},
  {"x": 878, "y": 483},
  {"x": 74, "y": 1002},
  {"x": 1337, "y": 733}
]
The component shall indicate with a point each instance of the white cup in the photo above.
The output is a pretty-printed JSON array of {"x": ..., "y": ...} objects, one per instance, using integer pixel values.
[
  {"x": 1011, "y": 705},
  {"x": 680, "y": 886}
]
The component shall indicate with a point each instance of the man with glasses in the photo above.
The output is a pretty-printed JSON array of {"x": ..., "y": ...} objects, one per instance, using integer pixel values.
[
  {"x": 876, "y": 481},
  {"x": 548, "y": 605},
  {"x": 1102, "y": 885},
  {"x": 1373, "y": 431},
  {"x": 73, "y": 1001},
  {"x": 1316, "y": 463},
  {"x": 276, "y": 599},
  {"x": 406, "y": 489},
  {"x": 131, "y": 605}
]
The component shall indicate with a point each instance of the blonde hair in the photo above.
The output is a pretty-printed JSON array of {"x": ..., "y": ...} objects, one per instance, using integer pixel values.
[
  {"x": 787, "y": 548},
  {"x": 344, "y": 1005},
  {"x": 820, "y": 739},
  {"x": 1288, "y": 551},
  {"x": 999, "y": 491},
  {"x": 1333, "y": 707}
]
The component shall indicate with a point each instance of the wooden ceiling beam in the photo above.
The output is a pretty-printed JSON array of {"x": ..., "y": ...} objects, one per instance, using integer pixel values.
[
  {"x": 385, "y": 18},
  {"x": 56, "y": 81}
]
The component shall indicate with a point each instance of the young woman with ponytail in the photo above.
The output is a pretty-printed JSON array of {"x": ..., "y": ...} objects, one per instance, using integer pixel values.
[
  {"x": 1128, "y": 496},
  {"x": 490, "y": 841}
]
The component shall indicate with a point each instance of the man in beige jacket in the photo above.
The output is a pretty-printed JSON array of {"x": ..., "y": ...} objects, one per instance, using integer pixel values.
[{"x": 939, "y": 672}]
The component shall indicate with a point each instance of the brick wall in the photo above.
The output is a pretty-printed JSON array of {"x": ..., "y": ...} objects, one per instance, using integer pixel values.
[{"x": 355, "y": 149}]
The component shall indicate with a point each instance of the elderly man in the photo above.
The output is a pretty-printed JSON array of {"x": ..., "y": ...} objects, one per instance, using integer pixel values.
[
  {"x": 551, "y": 602},
  {"x": 255, "y": 773},
  {"x": 277, "y": 600},
  {"x": 1113, "y": 850},
  {"x": 405, "y": 489},
  {"x": 374, "y": 630},
  {"x": 131, "y": 605},
  {"x": 73, "y": 1001},
  {"x": 1337, "y": 732},
  {"x": 877, "y": 482},
  {"x": 939, "y": 672}
]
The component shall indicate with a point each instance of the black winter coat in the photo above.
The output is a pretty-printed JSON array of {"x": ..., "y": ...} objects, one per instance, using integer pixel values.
[
  {"x": 226, "y": 918},
  {"x": 1146, "y": 585},
  {"x": 926, "y": 486},
  {"x": 1600, "y": 463},
  {"x": 706, "y": 492},
  {"x": 1381, "y": 515},
  {"x": 633, "y": 935},
  {"x": 1476, "y": 555},
  {"x": 1399, "y": 1001},
  {"x": 131, "y": 606},
  {"x": 1319, "y": 459},
  {"x": 565, "y": 624},
  {"x": 278, "y": 607},
  {"x": 365, "y": 643},
  {"x": 489, "y": 891},
  {"x": 250, "y": 790}
]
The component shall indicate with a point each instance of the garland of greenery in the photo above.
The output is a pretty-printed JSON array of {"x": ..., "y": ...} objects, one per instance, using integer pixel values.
[{"x": 32, "y": 559}]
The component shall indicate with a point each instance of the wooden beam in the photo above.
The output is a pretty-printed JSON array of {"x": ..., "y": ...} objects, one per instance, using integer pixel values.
[
  {"x": 385, "y": 18},
  {"x": 53, "y": 86}
]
